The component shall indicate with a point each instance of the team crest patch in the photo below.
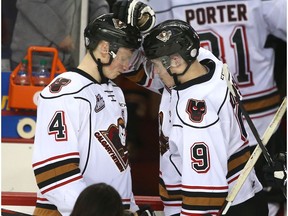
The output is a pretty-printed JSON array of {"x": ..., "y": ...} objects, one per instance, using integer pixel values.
[
  {"x": 57, "y": 85},
  {"x": 118, "y": 24},
  {"x": 114, "y": 141},
  {"x": 196, "y": 110},
  {"x": 100, "y": 104},
  {"x": 164, "y": 36}
]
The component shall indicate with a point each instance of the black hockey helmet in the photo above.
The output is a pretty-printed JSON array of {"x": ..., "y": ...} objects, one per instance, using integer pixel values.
[
  {"x": 117, "y": 33},
  {"x": 170, "y": 37}
]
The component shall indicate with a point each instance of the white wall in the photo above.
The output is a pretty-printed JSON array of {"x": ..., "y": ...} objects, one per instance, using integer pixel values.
[{"x": 17, "y": 173}]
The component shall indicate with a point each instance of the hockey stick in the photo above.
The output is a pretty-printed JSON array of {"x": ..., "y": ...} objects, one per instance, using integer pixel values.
[
  {"x": 254, "y": 157},
  {"x": 245, "y": 114}
]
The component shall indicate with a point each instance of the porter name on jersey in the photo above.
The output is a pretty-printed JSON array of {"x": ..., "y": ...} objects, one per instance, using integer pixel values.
[{"x": 217, "y": 14}]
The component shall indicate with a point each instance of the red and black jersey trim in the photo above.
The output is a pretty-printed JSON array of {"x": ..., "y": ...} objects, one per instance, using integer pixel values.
[
  {"x": 168, "y": 196},
  {"x": 262, "y": 104},
  {"x": 237, "y": 161},
  {"x": 57, "y": 171},
  {"x": 201, "y": 201}
]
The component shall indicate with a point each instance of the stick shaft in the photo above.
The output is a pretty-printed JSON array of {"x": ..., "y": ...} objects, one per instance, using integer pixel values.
[
  {"x": 254, "y": 156},
  {"x": 246, "y": 115}
]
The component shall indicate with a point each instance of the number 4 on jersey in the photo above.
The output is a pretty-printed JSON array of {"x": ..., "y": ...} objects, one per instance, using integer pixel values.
[{"x": 58, "y": 127}]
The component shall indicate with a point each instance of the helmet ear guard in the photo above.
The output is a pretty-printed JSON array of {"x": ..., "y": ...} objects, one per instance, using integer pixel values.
[{"x": 194, "y": 53}]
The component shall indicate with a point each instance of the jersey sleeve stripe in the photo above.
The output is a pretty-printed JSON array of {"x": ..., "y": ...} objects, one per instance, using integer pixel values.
[
  {"x": 55, "y": 179},
  {"x": 126, "y": 203},
  {"x": 237, "y": 161},
  {"x": 203, "y": 201},
  {"x": 57, "y": 171},
  {"x": 56, "y": 158},
  {"x": 262, "y": 104},
  {"x": 204, "y": 188},
  {"x": 61, "y": 184},
  {"x": 189, "y": 213},
  {"x": 165, "y": 196},
  {"x": 59, "y": 166}
]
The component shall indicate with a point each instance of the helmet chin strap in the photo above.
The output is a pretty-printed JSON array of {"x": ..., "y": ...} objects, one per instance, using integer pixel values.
[
  {"x": 100, "y": 65},
  {"x": 175, "y": 76}
]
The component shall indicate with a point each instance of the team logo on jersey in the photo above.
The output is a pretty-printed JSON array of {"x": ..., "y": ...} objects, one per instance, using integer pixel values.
[
  {"x": 114, "y": 142},
  {"x": 196, "y": 110},
  {"x": 164, "y": 36},
  {"x": 57, "y": 85},
  {"x": 100, "y": 103}
]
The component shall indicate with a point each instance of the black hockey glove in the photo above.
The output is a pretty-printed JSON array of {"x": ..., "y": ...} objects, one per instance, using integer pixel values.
[
  {"x": 145, "y": 210},
  {"x": 135, "y": 13},
  {"x": 276, "y": 175}
]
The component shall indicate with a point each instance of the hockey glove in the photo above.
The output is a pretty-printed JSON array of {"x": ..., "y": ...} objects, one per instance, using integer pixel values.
[
  {"x": 145, "y": 210},
  {"x": 135, "y": 13},
  {"x": 276, "y": 175}
]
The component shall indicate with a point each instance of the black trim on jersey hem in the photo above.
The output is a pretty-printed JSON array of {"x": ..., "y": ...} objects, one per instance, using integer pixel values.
[
  {"x": 201, "y": 208},
  {"x": 170, "y": 199},
  {"x": 206, "y": 77},
  {"x": 204, "y": 194},
  {"x": 174, "y": 192},
  {"x": 46, "y": 206},
  {"x": 126, "y": 206}
]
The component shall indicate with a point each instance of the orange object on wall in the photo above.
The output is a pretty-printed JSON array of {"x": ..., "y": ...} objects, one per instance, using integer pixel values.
[{"x": 25, "y": 97}]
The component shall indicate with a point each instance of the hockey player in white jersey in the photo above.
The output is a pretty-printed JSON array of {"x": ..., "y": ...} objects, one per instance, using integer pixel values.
[
  {"x": 162, "y": 83},
  {"x": 81, "y": 120},
  {"x": 236, "y": 32},
  {"x": 170, "y": 173},
  {"x": 208, "y": 145}
]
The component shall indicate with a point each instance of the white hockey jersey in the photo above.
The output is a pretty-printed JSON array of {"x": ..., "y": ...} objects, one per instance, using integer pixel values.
[
  {"x": 236, "y": 33},
  {"x": 80, "y": 140},
  {"x": 230, "y": 157},
  {"x": 209, "y": 140}
]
